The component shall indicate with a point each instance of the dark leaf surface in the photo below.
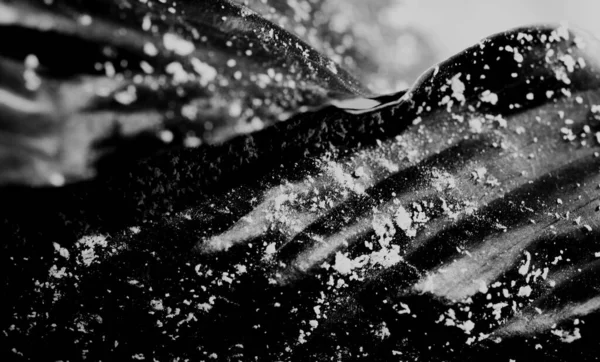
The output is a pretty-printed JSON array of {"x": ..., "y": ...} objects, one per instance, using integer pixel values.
[{"x": 456, "y": 221}]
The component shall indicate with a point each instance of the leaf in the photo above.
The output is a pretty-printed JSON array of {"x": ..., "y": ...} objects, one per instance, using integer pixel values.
[
  {"x": 125, "y": 80},
  {"x": 456, "y": 221}
]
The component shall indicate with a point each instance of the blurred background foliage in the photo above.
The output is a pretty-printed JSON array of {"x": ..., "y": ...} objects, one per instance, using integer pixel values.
[{"x": 388, "y": 43}]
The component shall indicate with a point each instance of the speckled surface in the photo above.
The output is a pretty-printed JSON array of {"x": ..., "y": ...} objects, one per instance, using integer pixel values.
[{"x": 455, "y": 221}]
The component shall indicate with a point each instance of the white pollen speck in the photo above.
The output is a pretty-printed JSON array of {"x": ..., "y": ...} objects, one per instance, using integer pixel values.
[
  {"x": 404, "y": 221},
  {"x": 270, "y": 250},
  {"x": 525, "y": 267},
  {"x": 166, "y": 136},
  {"x": 61, "y": 251},
  {"x": 343, "y": 264},
  {"x": 476, "y": 125},
  {"x": 150, "y": 49},
  {"x": 192, "y": 141},
  {"x": 524, "y": 291},
  {"x": 56, "y": 179},
  {"x": 177, "y": 44},
  {"x": 88, "y": 245},
  {"x": 458, "y": 88},
  {"x": 146, "y": 23},
  {"x": 126, "y": 96},
  {"x": 179, "y": 74},
  {"x": 489, "y": 97},
  {"x": 207, "y": 73},
  {"x": 31, "y": 61},
  {"x": 85, "y": 20},
  {"x": 518, "y": 56}
]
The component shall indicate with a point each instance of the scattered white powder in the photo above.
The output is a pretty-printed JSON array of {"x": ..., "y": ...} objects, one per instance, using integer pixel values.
[
  {"x": 343, "y": 178},
  {"x": 386, "y": 257},
  {"x": 270, "y": 250},
  {"x": 567, "y": 337},
  {"x": 88, "y": 245},
  {"x": 404, "y": 221},
  {"x": 489, "y": 97},
  {"x": 524, "y": 291},
  {"x": 150, "y": 49},
  {"x": 177, "y": 44},
  {"x": 467, "y": 326},
  {"x": 343, "y": 264},
  {"x": 57, "y": 273},
  {"x": 157, "y": 304},
  {"x": 126, "y": 96},
  {"x": 384, "y": 228},
  {"x": 569, "y": 62},
  {"x": 442, "y": 180},
  {"x": 518, "y": 56},
  {"x": 383, "y": 332},
  {"x": 476, "y": 125},
  {"x": 458, "y": 88},
  {"x": 525, "y": 267},
  {"x": 61, "y": 251},
  {"x": 179, "y": 74},
  {"x": 206, "y": 72}
]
